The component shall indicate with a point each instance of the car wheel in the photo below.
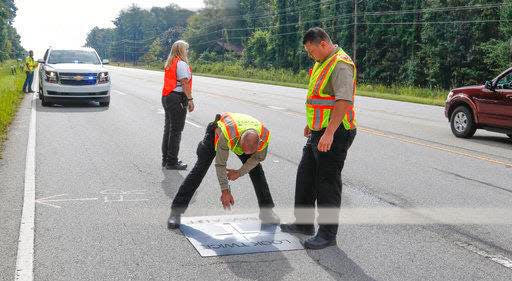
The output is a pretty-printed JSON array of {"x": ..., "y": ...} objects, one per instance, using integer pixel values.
[
  {"x": 105, "y": 104},
  {"x": 40, "y": 92},
  {"x": 462, "y": 122},
  {"x": 44, "y": 102}
]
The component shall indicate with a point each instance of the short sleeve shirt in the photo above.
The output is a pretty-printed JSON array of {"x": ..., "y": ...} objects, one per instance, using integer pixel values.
[
  {"x": 340, "y": 84},
  {"x": 182, "y": 72}
]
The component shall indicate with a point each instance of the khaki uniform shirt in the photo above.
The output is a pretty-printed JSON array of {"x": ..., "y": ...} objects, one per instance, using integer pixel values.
[{"x": 340, "y": 84}]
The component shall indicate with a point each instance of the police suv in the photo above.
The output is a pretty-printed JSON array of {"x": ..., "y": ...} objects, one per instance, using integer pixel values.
[{"x": 74, "y": 74}]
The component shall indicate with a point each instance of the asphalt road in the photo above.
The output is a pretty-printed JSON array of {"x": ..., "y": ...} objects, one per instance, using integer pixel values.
[{"x": 107, "y": 160}]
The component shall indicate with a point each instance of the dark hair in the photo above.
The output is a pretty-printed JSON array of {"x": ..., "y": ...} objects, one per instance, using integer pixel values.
[{"x": 316, "y": 35}]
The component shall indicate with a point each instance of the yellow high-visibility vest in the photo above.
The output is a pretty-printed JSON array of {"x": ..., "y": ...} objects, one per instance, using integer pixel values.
[
  {"x": 233, "y": 125},
  {"x": 30, "y": 64},
  {"x": 319, "y": 104}
]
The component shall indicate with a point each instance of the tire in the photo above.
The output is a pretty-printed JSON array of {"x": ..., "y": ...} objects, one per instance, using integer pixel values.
[
  {"x": 44, "y": 102},
  {"x": 40, "y": 91},
  {"x": 105, "y": 104},
  {"x": 462, "y": 122}
]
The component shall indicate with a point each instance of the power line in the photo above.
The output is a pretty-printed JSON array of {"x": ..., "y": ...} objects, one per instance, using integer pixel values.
[
  {"x": 272, "y": 26},
  {"x": 370, "y": 23},
  {"x": 383, "y": 13},
  {"x": 278, "y": 12}
]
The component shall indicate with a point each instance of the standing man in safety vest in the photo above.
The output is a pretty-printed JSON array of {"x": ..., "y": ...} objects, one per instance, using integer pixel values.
[
  {"x": 245, "y": 136},
  {"x": 330, "y": 129},
  {"x": 29, "y": 67}
]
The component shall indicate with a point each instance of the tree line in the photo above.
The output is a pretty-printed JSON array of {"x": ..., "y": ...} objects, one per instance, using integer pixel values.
[
  {"x": 425, "y": 43},
  {"x": 10, "y": 46}
]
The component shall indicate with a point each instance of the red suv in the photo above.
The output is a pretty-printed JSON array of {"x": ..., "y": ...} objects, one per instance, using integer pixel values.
[{"x": 487, "y": 106}]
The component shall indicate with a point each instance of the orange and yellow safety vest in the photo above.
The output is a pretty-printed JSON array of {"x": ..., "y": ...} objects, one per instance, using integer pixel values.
[
  {"x": 233, "y": 125},
  {"x": 319, "y": 104}
]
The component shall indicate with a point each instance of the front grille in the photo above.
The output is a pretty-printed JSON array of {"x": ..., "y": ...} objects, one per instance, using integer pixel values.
[
  {"x": 78, "y": 79},
  {"x": 78, "y": 83},
  {"x": 53, "y": 93}
]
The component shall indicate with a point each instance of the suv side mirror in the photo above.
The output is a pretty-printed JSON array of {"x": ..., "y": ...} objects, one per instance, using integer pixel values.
[
  {"x": 105, "y": 61},
  {"x": 40, "y": 61},
  {"x": 488, "y": 85}
]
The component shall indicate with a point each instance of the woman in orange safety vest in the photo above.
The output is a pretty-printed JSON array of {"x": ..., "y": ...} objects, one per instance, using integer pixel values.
[{"x": 176, "y": 100}]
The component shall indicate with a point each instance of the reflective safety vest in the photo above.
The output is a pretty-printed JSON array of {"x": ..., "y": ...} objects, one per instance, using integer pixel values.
[
  {"x": 170, "y": 77},
  {"x": 319, "y": 104},
  {"x": 30, "y": 64},
  {"x": 233, "y": 125}
]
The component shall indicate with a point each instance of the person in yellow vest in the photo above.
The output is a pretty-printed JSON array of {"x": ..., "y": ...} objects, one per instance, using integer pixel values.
[
  {"x": 29, "y": 67},
  {"x": 330, "y": 131},
  {"x": 246, "y": 137}
]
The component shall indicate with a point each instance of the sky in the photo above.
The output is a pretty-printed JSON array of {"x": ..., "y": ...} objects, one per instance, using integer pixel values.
[{"x": 65, "y": 23}]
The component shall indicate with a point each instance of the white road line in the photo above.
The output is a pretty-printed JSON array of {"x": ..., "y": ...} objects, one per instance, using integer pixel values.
[
  {"x": 193, "y": 124},
  {"x": 495, "y": 258},
  {"x": 120, "y": 93},
  {"x": 25, "y": 258},
  {"x": 275, "y": 107}
]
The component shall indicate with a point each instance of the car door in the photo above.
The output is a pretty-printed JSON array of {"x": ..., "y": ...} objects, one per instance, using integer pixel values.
[
  {"x": 504, "y": 106},
  {"x": 490, "y": 101},
  {"x": 486, "y": 101}
]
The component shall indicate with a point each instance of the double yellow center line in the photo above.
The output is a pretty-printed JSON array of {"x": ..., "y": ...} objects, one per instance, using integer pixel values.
[{"x": 405, "y": 140}]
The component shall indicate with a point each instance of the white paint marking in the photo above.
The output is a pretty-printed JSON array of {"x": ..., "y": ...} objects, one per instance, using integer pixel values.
[
  {"x": 161, "y": 111},
  {"x": 275, "y": 107},
  {"x": 495, "y": 258},
  {"x": 45, "y": 201},
  {"x": 193, "y": 124},
  {"x": 119, "y": 194},
  {"x": 120, "y": 93},
  {"x": 25, "y": 255}
]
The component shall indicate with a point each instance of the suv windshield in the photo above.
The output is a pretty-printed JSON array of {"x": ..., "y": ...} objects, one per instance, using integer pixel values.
[{"x": 73, "y": 56}]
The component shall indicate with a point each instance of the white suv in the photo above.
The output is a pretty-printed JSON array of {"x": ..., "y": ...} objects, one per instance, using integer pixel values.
[{"x": 73, "y": 75}]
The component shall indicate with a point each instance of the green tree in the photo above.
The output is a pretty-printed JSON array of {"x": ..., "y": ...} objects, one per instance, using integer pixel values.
[{"x": 153, "y": 55}]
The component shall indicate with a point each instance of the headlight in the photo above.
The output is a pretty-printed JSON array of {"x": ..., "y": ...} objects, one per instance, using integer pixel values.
[
  {"x": 51, "y": 76},
  {"x": 103, "y": 77}
]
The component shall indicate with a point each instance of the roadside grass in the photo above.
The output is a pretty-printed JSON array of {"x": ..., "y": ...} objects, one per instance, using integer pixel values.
[
  {"x": 10, "y": 97},
  {"x": 283, "y": 77}
]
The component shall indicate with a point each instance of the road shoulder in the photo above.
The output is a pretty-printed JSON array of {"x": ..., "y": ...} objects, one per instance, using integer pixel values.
[{"x": 12, "y": 171}]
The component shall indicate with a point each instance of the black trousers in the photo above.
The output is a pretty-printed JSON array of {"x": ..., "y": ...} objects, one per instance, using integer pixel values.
[
  {"x": 205, "y": 155},
  {"x": 175, "y": 107},
  {"x": 319, "y": 180}
]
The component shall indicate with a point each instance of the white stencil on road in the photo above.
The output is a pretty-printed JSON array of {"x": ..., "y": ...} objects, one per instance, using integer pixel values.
[
  {"x": 46, "y": 200},
  {"x": 118, "y": 195}
]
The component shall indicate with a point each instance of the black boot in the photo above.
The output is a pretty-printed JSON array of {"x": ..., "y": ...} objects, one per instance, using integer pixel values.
[
  {"x": 318, "y": 242},
  {"x": 298, "y": 228},
  {"x": 174, "y": 220},
  {"x": 177, "y": 166}
]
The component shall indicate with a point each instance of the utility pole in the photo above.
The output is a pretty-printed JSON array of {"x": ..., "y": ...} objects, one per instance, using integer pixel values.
[
  {"x": 354, "y": 47},
  {"x": 124, "y": 55}
]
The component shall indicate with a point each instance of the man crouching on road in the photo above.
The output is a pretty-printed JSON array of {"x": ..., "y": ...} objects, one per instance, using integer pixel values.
[{"x": 245, "y": 136}]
